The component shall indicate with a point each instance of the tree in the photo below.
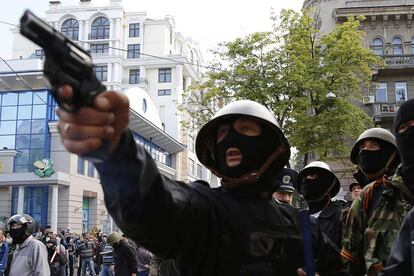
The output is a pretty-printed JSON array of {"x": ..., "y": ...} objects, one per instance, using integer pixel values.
[{"x": 291, "y": 70}]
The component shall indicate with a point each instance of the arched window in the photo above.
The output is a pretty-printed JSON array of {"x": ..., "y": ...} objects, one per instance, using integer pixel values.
[
  {"x": 378, "y": 46},
  {"x": 397, "y": 46},
  {"x": 70, "y": 28},
  {"x": 100, "y": 28}
]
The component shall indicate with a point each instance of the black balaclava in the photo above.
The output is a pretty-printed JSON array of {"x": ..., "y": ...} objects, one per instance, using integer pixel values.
[
  {"x": 255, "y": 151},
  {"x": 405, "y": 141},
  {"x": 18, "y": 235},
  {"x": 373, "y": 161},
  {"x": 317, "y": 206},
  {"x": 314, "y": 189}
]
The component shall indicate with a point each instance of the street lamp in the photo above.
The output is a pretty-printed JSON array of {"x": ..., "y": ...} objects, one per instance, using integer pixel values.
[{"x": 330, "y": 96}]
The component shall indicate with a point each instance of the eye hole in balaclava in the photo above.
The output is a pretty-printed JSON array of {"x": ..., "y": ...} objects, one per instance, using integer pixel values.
[{"x": 254, "y": 150}]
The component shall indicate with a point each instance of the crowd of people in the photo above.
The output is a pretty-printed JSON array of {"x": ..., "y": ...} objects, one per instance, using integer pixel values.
[{"x": 27, "y": 249}]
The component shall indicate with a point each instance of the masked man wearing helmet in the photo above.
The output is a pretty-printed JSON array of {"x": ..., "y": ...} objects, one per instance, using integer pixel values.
[
  {"x": 125, "y": 255},
  {"x": 318, "y": 185},
  {"x": 30, "y": 255},
  {"x": 376, "y": 215},
  {"x": 238, "y": 230},
  {"x": 401, "y": 259}
]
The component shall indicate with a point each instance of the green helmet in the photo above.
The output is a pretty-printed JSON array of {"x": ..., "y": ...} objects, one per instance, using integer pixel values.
[
  {"x": 113, "y": 238},
  {"x": 373, "y": 133},
  {"x": 319, "y": 166},
  {"x": 205, "y": 141}
]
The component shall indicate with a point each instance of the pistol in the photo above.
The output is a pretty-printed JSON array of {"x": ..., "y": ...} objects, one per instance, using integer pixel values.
[{"x": 66, "y": 63}]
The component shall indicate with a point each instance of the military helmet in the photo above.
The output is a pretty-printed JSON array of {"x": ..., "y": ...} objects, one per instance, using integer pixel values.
[
  {"x": 24, "y": 219},
  {"x": 372, "y": 133},
  {"x": 206, "y": 136},
  {"x": 315, "y": 167},
  {"x": 113, "y": 238}
]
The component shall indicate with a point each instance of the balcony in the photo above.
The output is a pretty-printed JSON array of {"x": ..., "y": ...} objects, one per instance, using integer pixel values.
[
  {"x": 105, "y": 54},
  {"x": 399, "y": 61},
  {"x": 385, "y": 110},
  {"x": 143, "y": 82}
]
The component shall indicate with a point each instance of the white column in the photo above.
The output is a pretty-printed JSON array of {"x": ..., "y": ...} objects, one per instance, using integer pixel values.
[
  {"x": 54, "y": 211},
  {"x": 142, "y": 72},
  {"x": 110, "y": 74},
  {"x": 178, "y": 82},
  {"x": 111, "y": 224},
  {"x": 86, "y": 30},
  {"x": 112, "y": 32},
  {"x": 20, "y": 200},
  {"x": 115, "y": 68},
  {"x": 81, "y": 30}
]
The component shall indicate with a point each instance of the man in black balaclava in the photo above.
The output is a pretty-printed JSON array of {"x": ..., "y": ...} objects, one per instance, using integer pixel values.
[
  {"x": 401, "y": 259},
  {"x": 236, "y": 230},
  {"x": 376, "y": 215},
  {"x": 318, "y": 185},
  {"x": 30, "y": 255}
]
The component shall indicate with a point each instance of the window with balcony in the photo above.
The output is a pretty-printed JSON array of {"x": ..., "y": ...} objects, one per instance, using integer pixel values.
[
  {"x": 164, "y": 75},
  {"x": 378, "y": 46},
  {"x": 164, "y": 92},
  {"x": 100, "y": 28},
  {"x": 99, "y": 49},
  {"x": 134, "y": 29},
  {"x": 101, "y": 72},
  {"x": 400, "y": 91},
  {"x": 70, "y": 28},
  {"x": 397, "y": 46},
  {"x": 381, "y": 94},
  {"x": 133, "y": 51},
  {"x": 134, "y": 76}
]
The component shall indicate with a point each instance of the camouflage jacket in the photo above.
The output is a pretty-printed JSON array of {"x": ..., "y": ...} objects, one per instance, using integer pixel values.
[{"x": 373, "y": 223}]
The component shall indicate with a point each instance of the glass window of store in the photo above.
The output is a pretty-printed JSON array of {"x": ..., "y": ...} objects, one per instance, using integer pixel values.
[
  {"x": 35, "y": 202},
  {"x": 23, "y": 126}
]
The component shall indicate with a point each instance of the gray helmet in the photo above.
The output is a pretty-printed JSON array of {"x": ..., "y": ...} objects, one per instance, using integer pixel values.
[
  {"x": 24, "y": 219},
  {"x": 372, "y": 133},
  {"x": 319, "y": 166},
  {"x": 113, "y": 238},
  {"x": 206, "y": 136}
]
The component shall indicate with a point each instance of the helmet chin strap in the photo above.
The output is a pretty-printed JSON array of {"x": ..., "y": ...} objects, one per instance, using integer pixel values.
[
  {"x": 383, "y": 170},
  {"x": 253, "y": 176}
]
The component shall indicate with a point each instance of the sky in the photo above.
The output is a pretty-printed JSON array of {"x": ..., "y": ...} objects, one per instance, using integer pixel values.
[{"x": 208, "y": 22}]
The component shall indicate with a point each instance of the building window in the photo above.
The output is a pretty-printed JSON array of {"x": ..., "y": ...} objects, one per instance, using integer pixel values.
[
  {"x": 70, "y": 28},
  {"x": 381, "y": 94},
  {"x": 40, "y": 54},
  {"x": 397, "y": 46},
  {"x": 191, "y": 143},
  {"x": 412, "y": 46},
  {"x": 99, "y": 48},
  {"x": 101, "y": 72},
  {"x": 164, "y": 75},
  {"x": 190, "y": 166},
  {"x": 133, "y": 51},
  {"x": 199, "y": 171},
  {"x": 81, "y": 166},
  {"x": 378, "y": 46},
  {"x": 134, "y": 29},
  {"x": 164, "y": 92},
  {"x": 91, "y": 169},
  {"x": 35, "y": 202},
  {"x": 85, "y": 215},
  {"x": 100, "y": 28},
  {"x": 134, "y": 76},
  {"x": 401, "y": 91}
]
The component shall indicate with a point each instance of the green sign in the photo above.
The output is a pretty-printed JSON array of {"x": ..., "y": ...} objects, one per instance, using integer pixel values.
[{"x": 44, "y": 168}]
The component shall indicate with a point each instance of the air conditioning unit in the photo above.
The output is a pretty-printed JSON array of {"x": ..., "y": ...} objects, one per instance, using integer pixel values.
[{"x": 368, "y": 100}]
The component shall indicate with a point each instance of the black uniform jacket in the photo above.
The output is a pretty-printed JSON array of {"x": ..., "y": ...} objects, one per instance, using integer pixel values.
[
  {"x": 330, "y": 221},
  {"x": 207, "y": 231}
]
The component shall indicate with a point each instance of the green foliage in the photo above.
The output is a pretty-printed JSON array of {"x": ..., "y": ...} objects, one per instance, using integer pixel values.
[{"x": 290, "y": 70}]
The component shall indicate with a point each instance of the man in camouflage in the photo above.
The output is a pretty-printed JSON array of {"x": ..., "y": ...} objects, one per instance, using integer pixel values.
[
  {"x": 400, "y": 261},
  {"x": 375, "y": 217}
]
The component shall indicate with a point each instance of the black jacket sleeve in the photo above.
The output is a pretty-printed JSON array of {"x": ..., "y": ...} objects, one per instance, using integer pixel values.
[
  {"x": 400, "y": 261},
  {"x": 142, "y": 202}
]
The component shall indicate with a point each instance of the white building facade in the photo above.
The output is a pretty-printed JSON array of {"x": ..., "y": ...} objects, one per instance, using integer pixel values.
[{"x": 146, "y": 59}]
